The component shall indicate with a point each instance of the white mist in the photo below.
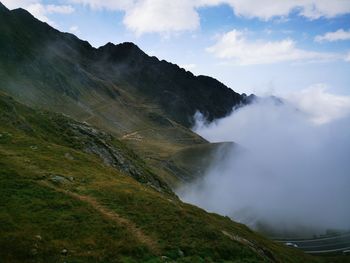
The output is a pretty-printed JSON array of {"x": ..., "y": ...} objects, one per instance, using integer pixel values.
[{"x": 292, "y": 172}]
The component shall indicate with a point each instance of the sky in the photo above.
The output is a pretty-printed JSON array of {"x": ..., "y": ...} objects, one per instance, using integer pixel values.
[{"x": 263, "y": 47}]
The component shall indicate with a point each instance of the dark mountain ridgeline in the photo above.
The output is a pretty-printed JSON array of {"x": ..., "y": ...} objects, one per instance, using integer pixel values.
[
  {"x": 177, "y": 91},
  {"x": 60, "y": 62}
]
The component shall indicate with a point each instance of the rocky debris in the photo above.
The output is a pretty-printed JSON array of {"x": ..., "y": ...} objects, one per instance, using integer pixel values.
[
  {"x": 261, "y": 251},
  {"x": 133, "y": 136},
  {"x": 58, "y": 179},
  {"x": 64, "y": 252},
  {"x": 237, "y": 238},
  {"x": 68, "y": 156},
  {"x": 165, "y": 258}
]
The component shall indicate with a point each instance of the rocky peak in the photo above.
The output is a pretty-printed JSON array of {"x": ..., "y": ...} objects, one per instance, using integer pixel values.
[{"x": 122, "y": 51}]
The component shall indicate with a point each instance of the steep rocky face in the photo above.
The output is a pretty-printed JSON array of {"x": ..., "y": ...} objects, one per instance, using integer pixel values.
[{"x": 101, "y": 144}]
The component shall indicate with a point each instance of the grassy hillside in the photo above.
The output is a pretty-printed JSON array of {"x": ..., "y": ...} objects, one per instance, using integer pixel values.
[{"x": 61, "y": 202}]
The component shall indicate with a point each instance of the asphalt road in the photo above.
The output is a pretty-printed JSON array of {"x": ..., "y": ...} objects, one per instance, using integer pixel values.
[{"x": 329, "y": 244}]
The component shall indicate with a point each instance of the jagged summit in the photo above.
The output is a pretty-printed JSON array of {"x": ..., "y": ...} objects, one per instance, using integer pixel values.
[
  {"x": 121, "y": 51},
  {"x": 126, "y": 45}
]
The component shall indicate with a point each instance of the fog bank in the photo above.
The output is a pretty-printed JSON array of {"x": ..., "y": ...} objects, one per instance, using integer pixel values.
[{"x": 292, "y": 171}]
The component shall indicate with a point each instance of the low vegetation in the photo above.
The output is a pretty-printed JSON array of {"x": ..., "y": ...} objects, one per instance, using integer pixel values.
[{"x": 61, "y": 203}]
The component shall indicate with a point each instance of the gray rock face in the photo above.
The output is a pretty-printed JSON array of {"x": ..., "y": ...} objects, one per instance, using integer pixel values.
[
  {"x": 69, "y": 156},
  {"x": 58, "y": 179},
  {"x": 101, "y": 144}
]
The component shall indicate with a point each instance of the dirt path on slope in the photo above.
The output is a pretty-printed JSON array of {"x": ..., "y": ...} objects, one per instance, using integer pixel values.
[{"x": 111, "y": 215}]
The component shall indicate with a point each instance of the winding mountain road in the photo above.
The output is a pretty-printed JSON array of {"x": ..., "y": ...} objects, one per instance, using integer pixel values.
[{"x": 330, "y": 244}]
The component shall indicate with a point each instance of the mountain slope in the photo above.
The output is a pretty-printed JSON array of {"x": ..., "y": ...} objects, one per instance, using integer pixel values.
[
  {"x": 61, "y": 202},
  {"x": 145, "y": 102}
]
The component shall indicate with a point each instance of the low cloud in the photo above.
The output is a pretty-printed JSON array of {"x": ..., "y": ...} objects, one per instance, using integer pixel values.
[
  {"x": 235, "y": 46},
  {"x": 338, "y": 35},
  {"x": 290, "y": 174},
  {"x": 320, "y": 105}
]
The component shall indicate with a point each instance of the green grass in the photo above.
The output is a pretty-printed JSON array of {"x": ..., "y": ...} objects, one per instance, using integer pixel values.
[
  {"x": 37, "y": 223},
  {"x": 33, "y": 150}
]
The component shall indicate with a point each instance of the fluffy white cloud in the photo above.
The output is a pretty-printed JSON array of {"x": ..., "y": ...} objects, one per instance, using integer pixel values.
[
  {"x": 59, "y": 9},
  {"x": 143, "y": 16},
  {"x": 39, "y": 10},
  {"x": 267, "y": 9},
  {"x": 161, "y": 16},
  {"x": 340, "y": 34},
  {"x": 235, "y": 46},
  {"x": 107, "y": 4},
  {"x": 74, "y": 29},
  {"x": 148, "y": 16},
  {"x": 321, "y": 105},
  {"x": 11, "y": 4}
]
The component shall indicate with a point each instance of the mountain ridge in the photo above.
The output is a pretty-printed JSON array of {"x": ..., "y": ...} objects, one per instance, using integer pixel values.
[{"x": 128, "y": 55}]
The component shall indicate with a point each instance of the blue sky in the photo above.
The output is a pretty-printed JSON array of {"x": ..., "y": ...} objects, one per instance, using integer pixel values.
[{"x": 260, "y": 47}]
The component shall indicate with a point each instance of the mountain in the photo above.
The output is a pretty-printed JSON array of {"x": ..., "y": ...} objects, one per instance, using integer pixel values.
[
  {"x": 92, "y": 144},
  {"x": 145, "y": 102},
  {"x": 69, "y": 66}
]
